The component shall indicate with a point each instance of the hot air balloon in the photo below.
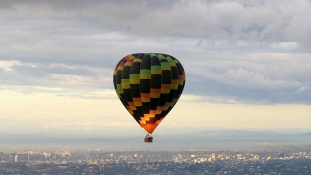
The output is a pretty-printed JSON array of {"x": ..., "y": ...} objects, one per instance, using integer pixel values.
[{"x": 149, "y": 85}]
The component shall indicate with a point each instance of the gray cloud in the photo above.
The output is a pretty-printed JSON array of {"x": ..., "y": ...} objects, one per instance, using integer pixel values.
[
  {"x": 232, "y": 21},
  {"x": 33, "y": 70},
  {"x": 248, "y": 50},
  {"x": 249, "y": 77}
]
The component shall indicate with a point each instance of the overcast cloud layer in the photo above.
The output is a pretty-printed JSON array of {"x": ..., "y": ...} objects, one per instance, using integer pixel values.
[{"x": 232, "y": 51}]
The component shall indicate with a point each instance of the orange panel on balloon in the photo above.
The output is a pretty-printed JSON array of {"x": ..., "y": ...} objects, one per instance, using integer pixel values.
[
  {"x": 149, "y": 127},
  {"x": 159, "y": 121}
]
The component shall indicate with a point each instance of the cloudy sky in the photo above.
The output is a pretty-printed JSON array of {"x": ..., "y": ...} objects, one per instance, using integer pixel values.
[{"x": 247, "y": 63}]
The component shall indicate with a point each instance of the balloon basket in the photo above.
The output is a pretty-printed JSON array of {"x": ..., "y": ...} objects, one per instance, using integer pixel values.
[{"x": 148, "y": 140}]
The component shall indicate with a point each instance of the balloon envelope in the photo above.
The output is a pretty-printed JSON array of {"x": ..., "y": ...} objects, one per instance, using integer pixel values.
[{"x": 149, "y": 85}]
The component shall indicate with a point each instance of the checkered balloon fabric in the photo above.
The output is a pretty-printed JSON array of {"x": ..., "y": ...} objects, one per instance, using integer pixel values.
[{"x": 149, "y": 85}]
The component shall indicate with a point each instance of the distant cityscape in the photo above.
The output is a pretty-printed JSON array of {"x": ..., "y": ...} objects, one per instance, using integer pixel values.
[{"x": 281, "y": 160}]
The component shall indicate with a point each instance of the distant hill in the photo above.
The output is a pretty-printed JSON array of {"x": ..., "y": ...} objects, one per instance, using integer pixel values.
[
  {"x": 234, "y": 133},
  {"x": 305, "y": 134},
  {"x": 207, "y": 140}
]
